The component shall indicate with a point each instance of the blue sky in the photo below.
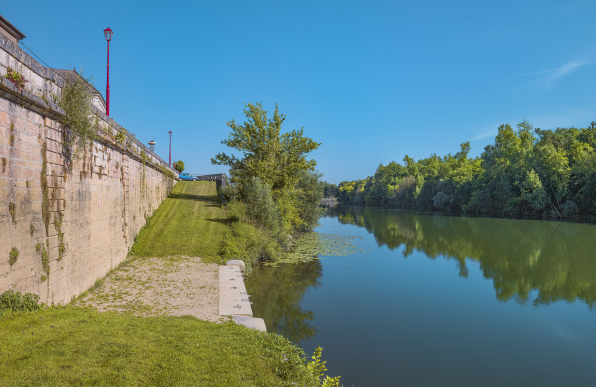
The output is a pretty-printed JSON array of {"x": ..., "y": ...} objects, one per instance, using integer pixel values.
[{"x": 371, "y": 80}]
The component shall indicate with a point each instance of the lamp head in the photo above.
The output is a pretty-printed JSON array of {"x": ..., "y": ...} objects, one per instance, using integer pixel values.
[{"x": 108, "y": 34}]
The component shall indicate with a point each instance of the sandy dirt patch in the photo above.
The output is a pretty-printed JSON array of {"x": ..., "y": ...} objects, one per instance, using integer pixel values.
[{"x": 173, "y": 286}]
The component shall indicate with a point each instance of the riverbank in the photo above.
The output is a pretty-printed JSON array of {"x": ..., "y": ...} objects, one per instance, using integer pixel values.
[
  {"x": 499, "y": 215},
  {"x": 143, "y": 323}
]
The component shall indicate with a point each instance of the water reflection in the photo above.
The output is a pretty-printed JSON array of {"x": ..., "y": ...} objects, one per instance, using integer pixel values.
[
  {"x": 279, "y": 291},
  {"x": 555, "y": 259}
]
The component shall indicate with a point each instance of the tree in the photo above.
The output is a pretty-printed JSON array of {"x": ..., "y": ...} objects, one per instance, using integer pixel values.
[
  {"x": 277, "y": 159},
  {"x": 179, "y": 166}
]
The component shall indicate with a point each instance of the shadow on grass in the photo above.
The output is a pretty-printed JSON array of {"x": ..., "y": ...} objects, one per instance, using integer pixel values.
[
  {"x": 222, "y": 221},
  {"x": 211, "y": 199}
]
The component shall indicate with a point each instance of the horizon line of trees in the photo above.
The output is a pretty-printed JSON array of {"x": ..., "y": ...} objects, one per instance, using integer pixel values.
[{"x": 525, "y": 172}]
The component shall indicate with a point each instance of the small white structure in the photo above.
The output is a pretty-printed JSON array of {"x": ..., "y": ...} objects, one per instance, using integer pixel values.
[{"x": 11, "y": 32}]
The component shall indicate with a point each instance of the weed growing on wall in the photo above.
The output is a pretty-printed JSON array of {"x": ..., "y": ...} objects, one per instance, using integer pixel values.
[
  {"x": 58, "y": 223},
  {"x": 14, "y": 255},
  {"x": 3, "y": 164},
  {"x": 11, "y": 133},
  {"x": 54, "y": 189},
  {"x": 120, "y": 136},
  {"x": 16, "y": 78},
  {"x": 12, "y": 208},
  {"x": 144, "y": 175},
  {"x": 45, "y": 202},
  {"x": 45, "y": 261},
  {"x": 76, "y": 102},
  {"x": 168, "y": 176},
  {"x": 84, "y": 169},
  {"x": 31, "y": 229}
]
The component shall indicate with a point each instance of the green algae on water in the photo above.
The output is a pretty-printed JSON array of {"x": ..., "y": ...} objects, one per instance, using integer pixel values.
[{"x": 313, "y": 245}]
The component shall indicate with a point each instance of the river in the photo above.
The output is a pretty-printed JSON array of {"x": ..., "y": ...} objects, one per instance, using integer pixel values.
[{"x": 436, "y": 300}]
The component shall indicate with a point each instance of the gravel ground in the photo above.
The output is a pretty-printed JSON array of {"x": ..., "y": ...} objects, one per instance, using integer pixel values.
[{"x": 173, "y": 286}]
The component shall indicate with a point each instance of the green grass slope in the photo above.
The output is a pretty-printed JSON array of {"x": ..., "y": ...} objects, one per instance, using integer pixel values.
[
  {"x": 191, "y": 221},
  {"x": 71, "y": 346}
]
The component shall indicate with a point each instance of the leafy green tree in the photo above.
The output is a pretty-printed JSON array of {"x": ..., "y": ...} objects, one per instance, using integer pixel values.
[
  {"x": 277, "y": 159},
  {"x": 179, "y": 166}
]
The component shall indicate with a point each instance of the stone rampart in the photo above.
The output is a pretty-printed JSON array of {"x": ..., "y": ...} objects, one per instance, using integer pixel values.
[{"x": 69, "y": 220}]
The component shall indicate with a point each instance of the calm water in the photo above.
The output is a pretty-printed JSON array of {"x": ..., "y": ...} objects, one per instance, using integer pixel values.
[{"x": 443, "y": 301}]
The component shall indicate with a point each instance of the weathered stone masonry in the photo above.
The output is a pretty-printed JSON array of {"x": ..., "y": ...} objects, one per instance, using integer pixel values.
[{"x": 96, "y": 204}]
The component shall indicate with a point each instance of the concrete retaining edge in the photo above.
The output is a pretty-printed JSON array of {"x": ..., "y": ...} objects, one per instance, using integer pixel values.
[{"x": 233, "y": 298}]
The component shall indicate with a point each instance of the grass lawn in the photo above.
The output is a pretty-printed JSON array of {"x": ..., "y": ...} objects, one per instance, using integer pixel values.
[
  {"x": 191, "y": 221},
  {"x": 69, "y": 346}
]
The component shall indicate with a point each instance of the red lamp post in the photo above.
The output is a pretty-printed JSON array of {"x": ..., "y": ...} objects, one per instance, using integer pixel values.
[
  {"x": 170, "y": 132},
  {"x": 108, "y": 34}
]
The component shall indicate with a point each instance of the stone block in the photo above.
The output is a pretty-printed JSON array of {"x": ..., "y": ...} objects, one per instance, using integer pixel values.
[
  {"x": 236, "y": 262},
  {"x": 5, "y": 119},
  {"x": 53, "y": 245},
  {"x": 251, "y": 322}
]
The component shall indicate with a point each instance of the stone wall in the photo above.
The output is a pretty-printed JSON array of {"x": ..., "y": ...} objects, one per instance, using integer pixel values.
[{"x": 96, "y": 204}]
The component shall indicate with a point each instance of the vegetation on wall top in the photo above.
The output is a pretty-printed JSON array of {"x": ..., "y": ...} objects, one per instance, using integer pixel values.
[
  {"x": 76, "y": 102},
  {"x": 16, "y": 78}
]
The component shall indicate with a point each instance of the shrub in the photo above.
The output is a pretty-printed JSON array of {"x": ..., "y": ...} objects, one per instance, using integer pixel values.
[
  {"x": 441, "y": 200},
  {"x": 259, "y": 204},
  {"x": 179, "y": 166},
  {"x": 15, "y": 301},
  {"x": 569, "y": 208},
  {"x": 14, "y": 255},
  {"x": 76, "y": 102},
  {"x": 247, "y": 241}
]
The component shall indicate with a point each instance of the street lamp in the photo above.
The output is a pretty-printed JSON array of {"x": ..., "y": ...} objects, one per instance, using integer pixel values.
[
  {"x": 170, "y": 132},
  {"x": 152, "y": 145},
  {"x": 108, "y": 34}
]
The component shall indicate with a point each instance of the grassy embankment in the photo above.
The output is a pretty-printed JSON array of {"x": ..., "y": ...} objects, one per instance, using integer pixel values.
[
  {"x": 78, "y": 346},
  {"x": 189, "y": 222}
]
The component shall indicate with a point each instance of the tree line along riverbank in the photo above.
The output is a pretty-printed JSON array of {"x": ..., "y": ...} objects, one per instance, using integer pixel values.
[{"x": 526, "y": 171}]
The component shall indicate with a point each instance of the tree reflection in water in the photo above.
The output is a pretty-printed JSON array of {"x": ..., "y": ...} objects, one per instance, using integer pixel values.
[
  {"x": 277, "y": 292},
  {"x": 556, "y": 259}
]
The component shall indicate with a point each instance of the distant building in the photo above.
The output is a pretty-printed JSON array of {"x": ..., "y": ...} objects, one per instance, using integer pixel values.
[
  {"x": 10, "y": 31},
  {"x": 71, "y": 76}
]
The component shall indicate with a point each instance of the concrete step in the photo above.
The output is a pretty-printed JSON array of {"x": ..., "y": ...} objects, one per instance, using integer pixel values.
[{"x": 233, "y": 300}]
